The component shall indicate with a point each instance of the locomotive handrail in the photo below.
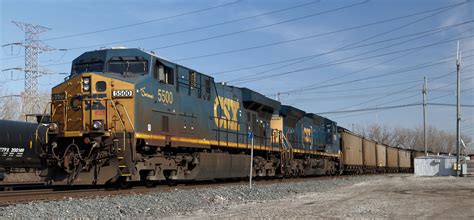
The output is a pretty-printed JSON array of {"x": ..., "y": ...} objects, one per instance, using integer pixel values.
[
  {"x": 263, "y": 140},
  {"x": 118, "y": 114},
  {"x": 128, "y": 117},
  {"x": 288, "y": 144}
]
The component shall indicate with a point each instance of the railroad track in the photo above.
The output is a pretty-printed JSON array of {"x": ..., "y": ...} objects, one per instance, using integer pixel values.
[{"x": 23, "y": 193}]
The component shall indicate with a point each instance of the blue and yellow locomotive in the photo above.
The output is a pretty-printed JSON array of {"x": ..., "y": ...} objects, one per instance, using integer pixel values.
[{"x": 128, "y": 115}]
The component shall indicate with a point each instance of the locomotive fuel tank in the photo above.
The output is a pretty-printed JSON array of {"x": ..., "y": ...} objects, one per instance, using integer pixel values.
[{"x": 20, "y": 144}]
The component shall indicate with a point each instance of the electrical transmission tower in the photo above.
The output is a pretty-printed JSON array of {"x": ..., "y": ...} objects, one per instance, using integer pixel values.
[{"x": 33, "y": 47}]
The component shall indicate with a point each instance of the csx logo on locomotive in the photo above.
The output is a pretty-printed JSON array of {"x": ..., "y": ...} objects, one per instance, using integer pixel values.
[
  {"x": 307, "y": 135},
  {"x": 225, "y": 113},
  {"x": 76, "y": 102}
]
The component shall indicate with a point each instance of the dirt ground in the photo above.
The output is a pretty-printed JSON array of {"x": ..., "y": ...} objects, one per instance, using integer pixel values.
[{"x": 394, "y": 196}]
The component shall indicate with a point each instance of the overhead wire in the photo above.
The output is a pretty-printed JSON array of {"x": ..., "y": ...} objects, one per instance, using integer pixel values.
[
  {"x": 410, "y": 52},
  {"x": 397, "y": 92},
  {"x": 258, "y": 27},
  {"x": 143, "y": 22},
  {"x": 390, "y": 73},
  {"x": 350, "y": 48},
  {"x": 200, "y": 27},
  {"x": 321, "y": 34},
  {"x": 375, "y": 109},
  {"x": 130, "y": 25},
  {"x": 257, "y": 78},
  {"x": 351, "y": 44}
]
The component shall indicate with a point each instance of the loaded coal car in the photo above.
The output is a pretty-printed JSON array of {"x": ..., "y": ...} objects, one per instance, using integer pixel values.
[
  {"x": 404, "y": 160},
  {"x": 381, "y": 157},
  {"x": 370, "y": 155},
  {"x": 352, "y": 151},
  {"x": 21, "y": 144},
  {"x": 392, "y": 159},
  {"x": 128, "y": 115}
]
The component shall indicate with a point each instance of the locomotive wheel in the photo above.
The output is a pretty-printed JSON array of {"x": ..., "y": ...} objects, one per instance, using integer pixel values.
[
  {"x": 171, "y": 182},
  {"x": 72, "y": 159},
  {"x": 150, "y": 183},
  {"x": 122, "y": 183}
]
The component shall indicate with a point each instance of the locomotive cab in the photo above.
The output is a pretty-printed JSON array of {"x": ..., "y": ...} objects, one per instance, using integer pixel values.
[{"x": 92, "y": 111}]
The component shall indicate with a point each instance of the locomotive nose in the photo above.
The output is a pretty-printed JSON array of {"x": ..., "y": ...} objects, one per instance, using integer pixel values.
[
  {"x": 81, "y": 101},
  {"x": 92, "y": 103}
]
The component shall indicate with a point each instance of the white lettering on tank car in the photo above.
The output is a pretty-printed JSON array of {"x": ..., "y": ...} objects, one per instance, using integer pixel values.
[{"x": 11, "y": 152}]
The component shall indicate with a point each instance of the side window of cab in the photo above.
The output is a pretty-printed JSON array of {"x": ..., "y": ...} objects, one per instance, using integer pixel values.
[{"x": 163, "y": 73}]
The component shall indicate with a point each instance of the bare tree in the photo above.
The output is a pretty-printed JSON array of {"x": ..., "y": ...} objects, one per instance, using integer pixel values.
[
  {"x": 9, "y": 109},
  {"x": 9, "y": 105},
  {"x": 437, "y": 140}
]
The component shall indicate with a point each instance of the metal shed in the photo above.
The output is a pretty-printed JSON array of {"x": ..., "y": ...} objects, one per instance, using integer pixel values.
[{"x": 436, "y": 166}]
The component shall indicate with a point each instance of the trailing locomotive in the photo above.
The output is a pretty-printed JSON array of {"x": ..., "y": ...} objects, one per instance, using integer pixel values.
[{"x": 127, "y": 115}]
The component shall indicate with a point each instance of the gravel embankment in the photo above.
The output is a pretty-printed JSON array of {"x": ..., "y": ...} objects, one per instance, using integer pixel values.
[{"x": 175, "y": 203}]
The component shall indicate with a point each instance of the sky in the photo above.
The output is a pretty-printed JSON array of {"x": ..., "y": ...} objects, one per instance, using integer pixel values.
[{"x": 320, "y": 56}]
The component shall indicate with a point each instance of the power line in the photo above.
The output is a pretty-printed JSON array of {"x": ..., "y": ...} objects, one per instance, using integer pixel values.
[
  {"x": 317, "y": 35},
  {"x": 371, "y": 111},
  {"x": 381, "y": 108},
  {"x": 349, "y": 45},
  {"x": 228, "y": 34},
  {"x": 392, "y": 101},
  {"x": 451, "y": 105},
  {"x": 349, "y": 48},
  {"x": 407, "y": 69},
  {"x": 371, "y": 66},
  {"x": 258, "y": 27},
  {"x": 257, "y": 78},
  {"x": 131, "y": 25},
  {"x": 442, "y": 96},
  {"x": 255, "y": 28},
  {"x": 352, "y": 96},
  {"x": 364, "y": 88},
  {"x": 9, "y": 96},
  {"x": 143, "y": 22},
  {"x": 198, "y": 28},
  {"x": 403, "y": 98}
]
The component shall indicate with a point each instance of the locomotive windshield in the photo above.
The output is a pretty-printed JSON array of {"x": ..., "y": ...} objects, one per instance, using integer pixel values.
[
  {"x": 82, "y": 67},
  {"x": 127, "y": 65}
]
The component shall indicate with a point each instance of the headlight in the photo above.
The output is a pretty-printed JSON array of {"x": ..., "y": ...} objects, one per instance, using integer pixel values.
[
  {"x": 97, "y": 125},
  {"x": 53, "y": 127},
  {"x": 86, "y": 84}
]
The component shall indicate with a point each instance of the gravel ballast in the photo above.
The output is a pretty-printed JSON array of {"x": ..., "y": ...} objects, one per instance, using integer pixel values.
[{"x": 177, "y": 202}]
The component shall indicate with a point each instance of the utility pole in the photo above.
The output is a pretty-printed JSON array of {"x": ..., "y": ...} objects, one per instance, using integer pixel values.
[
  {"x": 33, "y": 46},
  {"x": 458, "y": 114},
  {"x": 250, "y": 134},
  {"x": 424, "y": 91}
]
